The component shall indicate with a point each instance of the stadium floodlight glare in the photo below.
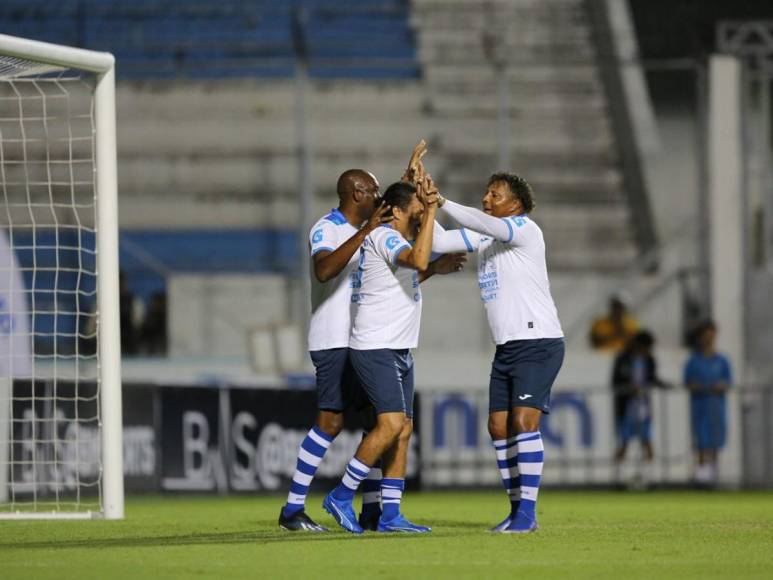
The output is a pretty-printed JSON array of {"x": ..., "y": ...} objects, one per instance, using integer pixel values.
[{"x": 61, "y": 443}]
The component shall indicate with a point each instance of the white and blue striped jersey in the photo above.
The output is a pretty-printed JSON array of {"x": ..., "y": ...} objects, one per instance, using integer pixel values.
[
  {"x": 386, "y": 301},
  {"x": 330, "y": 323},
  {"x": 512, "y": 271}
]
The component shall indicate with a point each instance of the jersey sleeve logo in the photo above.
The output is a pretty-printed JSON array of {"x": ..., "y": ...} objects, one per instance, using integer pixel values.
[
  {"x": 391, "y": 242},
  {"x": 519, "y": 221},
  {"x": 316, "y": 237}
]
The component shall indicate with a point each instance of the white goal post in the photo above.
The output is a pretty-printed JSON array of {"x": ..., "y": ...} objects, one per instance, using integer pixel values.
[{"x": 60, "y": 215}]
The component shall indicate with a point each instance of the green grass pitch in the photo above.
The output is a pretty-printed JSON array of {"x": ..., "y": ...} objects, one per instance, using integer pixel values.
[{"x": 583, "y": 535}]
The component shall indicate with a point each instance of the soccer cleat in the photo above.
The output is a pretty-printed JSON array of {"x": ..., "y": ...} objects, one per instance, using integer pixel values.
[
  {"x": 522, "y": 524},
  {"x": 299, "y": 521},
  {"x": 400, "y": 524},
  {"x": 343, "y": 512},
  {"x": 503, "y": 525},
  {"x": 369, "y": 520}
]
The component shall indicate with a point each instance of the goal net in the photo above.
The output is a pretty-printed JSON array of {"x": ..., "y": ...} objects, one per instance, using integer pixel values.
[{"x": 60, "y": 406}]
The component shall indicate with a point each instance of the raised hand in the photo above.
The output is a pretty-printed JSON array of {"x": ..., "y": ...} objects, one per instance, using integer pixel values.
[
  {"x": 427, "y": 192},
  {"x": 381, "y": 215},
  {"x": 449, "y": 263},
  {"x": 415, "y": 170}
]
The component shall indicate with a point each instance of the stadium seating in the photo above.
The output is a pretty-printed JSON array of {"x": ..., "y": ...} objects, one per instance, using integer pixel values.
[
  {"x": 560, "y": 134},
  {"x": 199, "y": 39}
]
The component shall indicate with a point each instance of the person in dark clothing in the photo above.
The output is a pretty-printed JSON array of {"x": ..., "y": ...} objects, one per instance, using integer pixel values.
[
  {"x": 633, "y": 377},
  {"x": 153, "y": 336}
]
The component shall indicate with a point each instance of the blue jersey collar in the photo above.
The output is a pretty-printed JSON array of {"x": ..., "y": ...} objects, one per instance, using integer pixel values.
[{"x": 336, "y": 217}]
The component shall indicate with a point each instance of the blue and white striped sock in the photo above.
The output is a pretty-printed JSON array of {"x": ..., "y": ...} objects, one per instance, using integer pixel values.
[
  {"x": 313, "y": 448},
  {"x": 531, "y": 456},
  {"x": 355, "y": 472},
  {"x": 507, "y": 462},
  {"x": 515, "y": 478},
  {"x": 371, "y": 490},
  {"x": 391, "y": 496}
]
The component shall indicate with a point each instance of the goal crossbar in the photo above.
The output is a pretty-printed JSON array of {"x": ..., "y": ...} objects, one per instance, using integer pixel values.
[
  {"x": 53, "y": 54},
  {"x": 103, "y": 66}
]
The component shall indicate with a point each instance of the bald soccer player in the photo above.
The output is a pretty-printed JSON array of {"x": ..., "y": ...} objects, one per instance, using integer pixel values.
[{"x": 334, "y": 240}]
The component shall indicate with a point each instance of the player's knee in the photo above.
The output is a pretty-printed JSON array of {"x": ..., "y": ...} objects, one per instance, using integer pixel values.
[
  {"x": 331, "y": 423},
  {"x": 407, "y": 430},
  {"x": 391, "y": 424},
  {"x": 526, "y": 423},
  {"x": 497, "y": 428}
]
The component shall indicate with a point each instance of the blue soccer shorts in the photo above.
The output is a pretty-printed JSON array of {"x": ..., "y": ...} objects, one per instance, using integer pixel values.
[
  {"x": 337, "y": 385},
  {"x": 523, "y": 372},
  {"x": 386, "y": 376}
]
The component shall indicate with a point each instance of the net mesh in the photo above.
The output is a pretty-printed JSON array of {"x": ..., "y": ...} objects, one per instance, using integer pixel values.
[{"x": 49, "y": 388}]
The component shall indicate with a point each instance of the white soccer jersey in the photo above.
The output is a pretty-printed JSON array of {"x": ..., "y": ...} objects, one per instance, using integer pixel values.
[
  {"x": 330, "y": 323},
  {"x": 512, "y": 272},
  {"x": 387, "y": 298}
]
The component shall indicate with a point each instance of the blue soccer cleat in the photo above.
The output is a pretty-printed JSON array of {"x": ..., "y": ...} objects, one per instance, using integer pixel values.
[
  {"x": 369, "y": 520},
  {"x": 523, "y": 523},
  {"x": 400, "y": 524},
  {"x": 343, "y": 512},
  {"x": 503, "y": 525}
]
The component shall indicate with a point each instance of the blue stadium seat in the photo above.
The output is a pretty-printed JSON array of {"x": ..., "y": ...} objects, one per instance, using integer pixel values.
[{"x": 228, "y": 38}]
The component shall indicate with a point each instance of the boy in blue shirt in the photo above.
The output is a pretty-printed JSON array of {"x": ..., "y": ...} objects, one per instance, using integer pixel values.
[{"x": 708, "y": 376}]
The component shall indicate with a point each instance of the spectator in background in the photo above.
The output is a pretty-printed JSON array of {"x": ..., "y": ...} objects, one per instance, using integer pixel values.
[
  {"x": 153, "y": 332},
  {"x": 634, "y": 376},
  {"x": 613, "y": 331},
  {"x": 708, "y": 376}
]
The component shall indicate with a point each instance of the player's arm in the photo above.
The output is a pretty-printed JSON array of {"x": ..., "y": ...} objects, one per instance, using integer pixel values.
[
  {"x": 418, "y": 256},
  {"x": 445, "y": 264},
  {"x": 451, "y": 241},
  {"x": 656, "y": 380},
  {"x": 329, "y": 264},
  {"x": 474, "y": 219}
]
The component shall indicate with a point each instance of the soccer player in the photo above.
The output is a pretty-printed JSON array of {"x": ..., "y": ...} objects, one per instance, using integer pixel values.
[
  {"x": 385, "y": 328},
  {"x": 708, "y": 376},
  {"x": 334, "y": 241},
  {"x": 514, "y": 288}
]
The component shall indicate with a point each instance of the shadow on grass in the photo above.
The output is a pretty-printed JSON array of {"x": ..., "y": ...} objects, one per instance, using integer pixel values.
[{"x": 266, "y": 533}]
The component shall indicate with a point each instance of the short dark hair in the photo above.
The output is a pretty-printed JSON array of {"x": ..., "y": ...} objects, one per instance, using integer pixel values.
[
  {"x": 644, "y": 339},
  {"x": 518, "y": 186},
  {"x": 399, "y": 194}
]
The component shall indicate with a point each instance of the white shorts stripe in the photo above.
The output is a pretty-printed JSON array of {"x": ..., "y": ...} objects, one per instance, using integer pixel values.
[
  {"x": 309, "y": 458},
  {"x": 529, "y": 446},
  {"x": 319, "y": 440},
  {"x": 302, "y": 478},
  {"x": 529, "y": 492},
  {"x": 530, "y": 468}
]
